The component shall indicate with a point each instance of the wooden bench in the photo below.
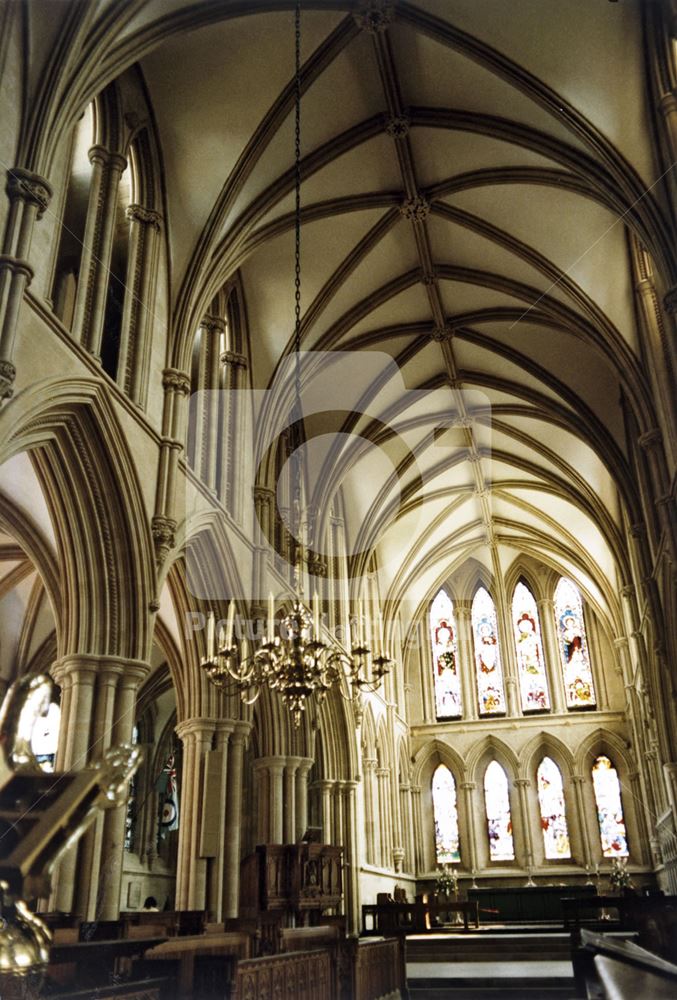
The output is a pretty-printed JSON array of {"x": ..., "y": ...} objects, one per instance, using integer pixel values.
[
  {"x": 216, "y": 955},
  {"x": 622, "y": 970}
]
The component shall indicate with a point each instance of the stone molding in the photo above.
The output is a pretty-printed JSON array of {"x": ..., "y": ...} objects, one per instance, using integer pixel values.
[
  {"x": 416, "y": 209},
  {"x": 29, "y": 187},
  {"x": 374, "y": 16},
  {"x": 175, "y": 380}
]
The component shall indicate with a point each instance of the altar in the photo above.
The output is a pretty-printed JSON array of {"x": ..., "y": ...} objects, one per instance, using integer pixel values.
[{"x": 525, "y": 904}]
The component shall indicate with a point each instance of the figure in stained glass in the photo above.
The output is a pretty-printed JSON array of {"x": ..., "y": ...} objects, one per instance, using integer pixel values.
[
  {"x": 553, "y": 815},
  {"x": 448, "y": 703},
  {"x": 529, "y": 648},
  {"x": 445, "y": 813},
  {"x": 609, "y": 809},
  {"x": 578, "y": 682},
  {"x": 499, "y": 820},
  {"x": 487, "y": 656}
]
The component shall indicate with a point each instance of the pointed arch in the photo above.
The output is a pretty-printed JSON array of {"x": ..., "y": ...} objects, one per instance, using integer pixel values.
[
  {"x": 445, "y": 814},
  {"x": 610, "y": 814}
]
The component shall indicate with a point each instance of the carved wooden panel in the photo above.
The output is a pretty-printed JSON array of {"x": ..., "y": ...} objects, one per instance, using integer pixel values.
[{"x": 303, "y": 975}]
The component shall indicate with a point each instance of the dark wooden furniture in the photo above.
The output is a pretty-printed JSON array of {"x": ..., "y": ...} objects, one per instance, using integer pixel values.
[
  {"x": 299, "y": 879},
  {"x": 204, "y": 957},
  {"x": 622, "y": 970},
  {"x": 174, "y": 923},
  {"x": 83, "y": 968},
  {"x": 415, "y": 918},
  {"x": 525, "y": 904}
]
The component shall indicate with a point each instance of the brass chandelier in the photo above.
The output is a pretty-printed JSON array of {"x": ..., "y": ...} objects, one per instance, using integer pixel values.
[{"x": 293, "y": 659}]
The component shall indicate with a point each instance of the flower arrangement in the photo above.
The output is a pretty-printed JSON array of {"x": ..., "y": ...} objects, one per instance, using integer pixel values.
[
  {"x": 447, "y": 881},
  {"x": 619, "y": 875}
]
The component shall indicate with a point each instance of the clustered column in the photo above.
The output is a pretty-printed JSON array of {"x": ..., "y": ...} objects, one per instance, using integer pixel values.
[
  {"x": 176, "y": 385},
  {"x": 137, "y": 317},
  {"x": 90, "y": 300},
  {"x": 206, "y": 413},
  {"x": 29, "y": 195}
]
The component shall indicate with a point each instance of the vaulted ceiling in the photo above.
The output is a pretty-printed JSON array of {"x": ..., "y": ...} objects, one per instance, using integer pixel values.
[{"x": 470, "y": 171}]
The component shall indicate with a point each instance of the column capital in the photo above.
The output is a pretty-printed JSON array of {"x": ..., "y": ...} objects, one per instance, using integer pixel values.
[
  {"x": 99, "y": 154},
  {"x": 545, "y": 602},
  {"x": 523, "y": 782},
  {"x": 195, "y": 727},
  {"x": 29, "y": 187},
  {"x": 174, "y": 380},
  {"x": 578, "y": 779},
  {"x": 383, "y": 772},
  {"x": 213, "y": 324},
  {"x": 275, "y": 765},
  {"x": 628, "y": 590},
  {"x": 7, "y": 378},
  {"x": 231, "y": 358},
  {"x": 146, "y": 216},
  {"x": 621, "y": 642},
  {"x": 467, "y": 786}
]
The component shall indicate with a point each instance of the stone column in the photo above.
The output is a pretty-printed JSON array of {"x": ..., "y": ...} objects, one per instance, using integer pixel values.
[
  {"x": 351, "y": 874},
  {"x": 418, "y": 827},
  {"x": 301, "y": 795},
  {"x": 233, "y": 367},
  {"x": 522, "y": 785},
  {"x": 276, "y": 807},
  {"x": 90, "y": 300},
  {"x": 29, "y": 195},
  {"x": 79, "y": 673},
  {"x": 466, "y": 659},
  {"x": 385, "y": 833},
  {"x": 553, "y": 660},
  {"x": 137, "y": 316},
  {"x": 196, "y": 736},
  {"x": 113, "y": 838},
  {"x": 326, "y": 788},
  {"x": 217, "y": 863},
  {"x": 233, "y": 826},
  {"x": 652, "y": 443},
  {"x": 206, "y": 417},
  {"x": 176, "y": 385},
  {"x": 468, "y": 788},
  {"x": 579, "y": 783},
  {"x": 369, "y": 765},
  {"x": 337, "y": 804},
  {"x": 89, "y": 857},
  {"x": 290, "y": 768}
]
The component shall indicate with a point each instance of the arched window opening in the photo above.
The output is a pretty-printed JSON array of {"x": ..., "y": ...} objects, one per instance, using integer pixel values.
[
  {"x": 529, "y": 647},
  {"x": 45, "y": 737},
  {"x": 488, "y": 670},
  {"x": 552, "y": 808},
  {"x": 448, "y": 704},
  {"x": 609, "y": 809},
  {"x": 499, "y": 820},
  {"x": 117, "y": 280},
  {"x": 72, "y": 233},
  {"x": 578, "y": 682},
  {"x": 445, "y": 813}
]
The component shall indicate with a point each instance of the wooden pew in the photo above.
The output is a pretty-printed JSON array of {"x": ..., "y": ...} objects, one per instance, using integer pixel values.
[
  {"x": 625, "y": 971},
  {"x": 211, "y": 957},
  {"x": 84, "y": 967}
]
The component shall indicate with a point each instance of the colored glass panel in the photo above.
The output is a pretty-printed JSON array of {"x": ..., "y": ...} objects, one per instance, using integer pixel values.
[
  {"x": 609, "y": 809},
  {"x": 45, "y": 737},
  {"x": 448, "y": 703},
  {"x": 490, "y": 693},
  {"x": 499, "y": 821},
  {"x": 580, "y": 689},
  {"x": 553, "y": 815},
  {"x": 529, "y": 647},
  {"x": 446, "y": 816}
]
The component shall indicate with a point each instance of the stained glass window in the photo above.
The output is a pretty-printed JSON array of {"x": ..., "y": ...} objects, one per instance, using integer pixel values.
[
  {"x": 529, "y": 647},
  {"x": 553, "y": 815},
  {"x": 609, "y": 809},
  {"x": 487, "y": 658},
  {"x": 448, "y": 703},
  {"x": 499, "y": 822},
  {"x": 446, "y": 816},
  {"x": 580, "y": 690}
]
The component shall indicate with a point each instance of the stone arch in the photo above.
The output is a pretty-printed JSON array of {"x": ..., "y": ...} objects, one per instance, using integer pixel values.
[{"x": 98, "y": 513}]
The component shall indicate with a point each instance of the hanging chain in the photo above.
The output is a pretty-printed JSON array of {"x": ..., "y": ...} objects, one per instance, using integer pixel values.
[{"x": 297, "y": 412}]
